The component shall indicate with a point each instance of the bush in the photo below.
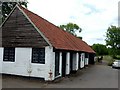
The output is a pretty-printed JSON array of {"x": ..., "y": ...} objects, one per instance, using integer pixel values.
[
  {"x": 117, "y": 57},
  {"x": 109, "y": 60}
]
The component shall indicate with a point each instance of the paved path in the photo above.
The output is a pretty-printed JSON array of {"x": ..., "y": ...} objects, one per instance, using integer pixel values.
[{"x": 97, "y": 76}]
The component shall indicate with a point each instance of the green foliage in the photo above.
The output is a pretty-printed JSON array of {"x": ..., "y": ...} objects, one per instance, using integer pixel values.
[
  {"x": 8, "y": 6},
  {"x": 100, "y": 49},
  {"x": 113, "y": 39},
  {"x": 109, "y": 60},
  {"x": 71, "y": 28}
]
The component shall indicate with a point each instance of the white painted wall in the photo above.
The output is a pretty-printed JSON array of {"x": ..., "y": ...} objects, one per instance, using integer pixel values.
[
  {"x": 82, "y": 60},
  {"x": 44, "y": 70},
  {"x": 20, "y": 66},
  {"x": 74, "y": 61},
  {"x": 68, "y": 63},
  {"x": 86, "y": 61},
  {"x": 60, "y": 64},
  {"x": 1, "y": 58},
  {"x": 77, "y": 61},
  {"x": 50, "y": 63},
  {"x": 23, "y": 66}
]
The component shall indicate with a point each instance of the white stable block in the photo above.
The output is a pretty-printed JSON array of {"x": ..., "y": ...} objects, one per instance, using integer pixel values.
[{"x": 23, "y": 66}]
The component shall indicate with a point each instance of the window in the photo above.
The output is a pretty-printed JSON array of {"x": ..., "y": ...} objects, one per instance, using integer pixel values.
[
  {"x": 38, "y": 55},
  {"x": 9, "y": 54}
]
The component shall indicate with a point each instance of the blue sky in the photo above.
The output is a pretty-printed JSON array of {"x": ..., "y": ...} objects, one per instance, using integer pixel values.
[{"x": 93, "y": 16}]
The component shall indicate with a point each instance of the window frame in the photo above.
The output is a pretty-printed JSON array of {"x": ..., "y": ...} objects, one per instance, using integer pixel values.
[
  {"x": 10, "y": 51},
  {"x": 37, "y": 58}
]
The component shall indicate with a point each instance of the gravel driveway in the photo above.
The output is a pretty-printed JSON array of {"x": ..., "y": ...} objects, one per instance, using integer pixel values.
[{"x": 96, "y": 76}]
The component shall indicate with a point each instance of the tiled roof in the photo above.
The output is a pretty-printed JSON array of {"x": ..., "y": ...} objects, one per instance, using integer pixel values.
[{"x": 59, "y": 38}]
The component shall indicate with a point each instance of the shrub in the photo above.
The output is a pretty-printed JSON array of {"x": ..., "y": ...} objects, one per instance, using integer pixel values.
[
  {"x": 117, "y": 57},
  {"x": 109, "y": 60}
]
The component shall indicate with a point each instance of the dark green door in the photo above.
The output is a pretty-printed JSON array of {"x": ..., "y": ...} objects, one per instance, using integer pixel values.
[{"x": 57, "y": 57}]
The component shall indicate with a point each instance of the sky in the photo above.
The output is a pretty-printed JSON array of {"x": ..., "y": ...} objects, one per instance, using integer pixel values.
[{"x": 93, "y": 16}]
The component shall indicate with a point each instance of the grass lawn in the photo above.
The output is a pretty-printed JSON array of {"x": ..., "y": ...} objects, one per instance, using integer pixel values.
[
  {"x": 109, "y": 59},
  {"x": 118, "y": 56}
]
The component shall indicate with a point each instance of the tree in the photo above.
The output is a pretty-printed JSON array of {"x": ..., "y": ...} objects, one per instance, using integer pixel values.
[
  {"x": 100, "y": 49},
  {"x": 71, "y": 28},
  {"x": 8, "y": 6},
  {"x": 113, "y": 39}
]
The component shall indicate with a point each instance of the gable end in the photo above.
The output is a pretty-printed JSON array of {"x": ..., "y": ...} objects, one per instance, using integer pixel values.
[{"x": 17, "y": 31}]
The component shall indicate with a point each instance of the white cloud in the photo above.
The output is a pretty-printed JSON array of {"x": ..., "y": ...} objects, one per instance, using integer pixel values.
[{"x": 93, "y": 16}]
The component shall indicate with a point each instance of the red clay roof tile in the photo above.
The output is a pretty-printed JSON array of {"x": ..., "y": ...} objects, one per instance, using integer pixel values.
[{"x": 59, "y": 38}]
